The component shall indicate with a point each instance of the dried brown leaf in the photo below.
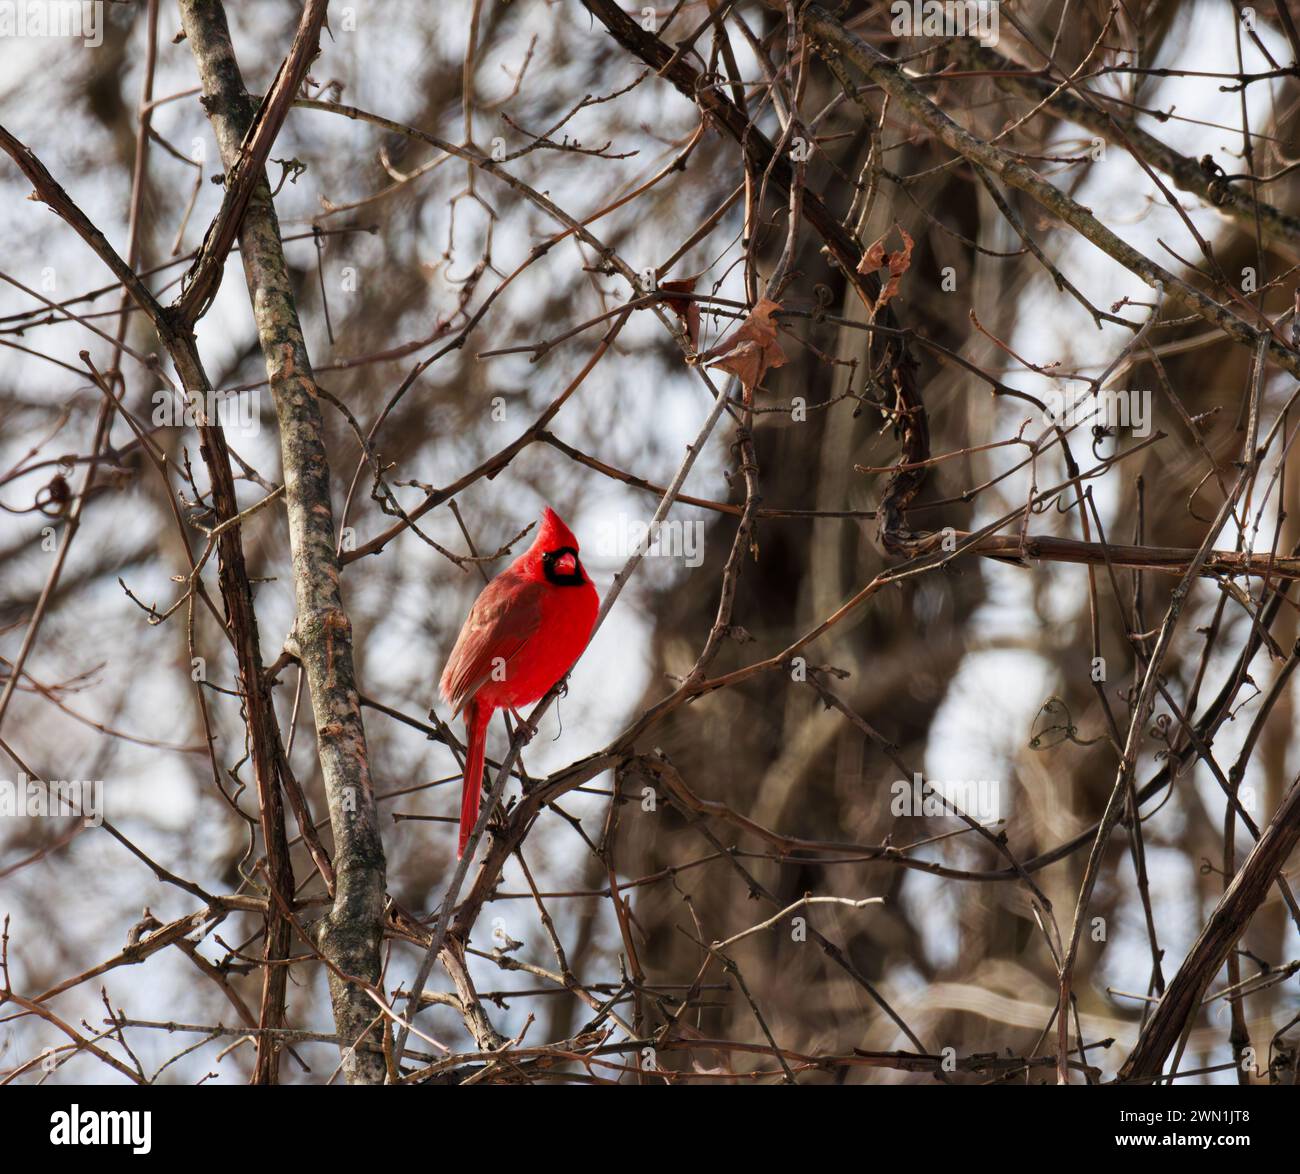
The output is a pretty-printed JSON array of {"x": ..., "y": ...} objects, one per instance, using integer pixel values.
[
  {"x": 752, "y": 349},
  {"x": 897, "y": 263},
  {"x": 686, "y": 309}
]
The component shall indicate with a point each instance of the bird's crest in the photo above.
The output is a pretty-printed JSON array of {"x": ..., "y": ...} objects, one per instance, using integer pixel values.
[{"x": 553, "y": 533}]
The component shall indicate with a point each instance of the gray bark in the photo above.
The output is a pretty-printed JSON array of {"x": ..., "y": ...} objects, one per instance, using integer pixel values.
[{"x": 350, "y": 937}]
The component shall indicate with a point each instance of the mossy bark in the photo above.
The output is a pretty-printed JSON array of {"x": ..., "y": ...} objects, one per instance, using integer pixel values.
[{"x": 351, "y": 936}]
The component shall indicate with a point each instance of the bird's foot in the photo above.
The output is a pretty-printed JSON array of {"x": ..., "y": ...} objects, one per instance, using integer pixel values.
[{"x": 523, "y": 728}]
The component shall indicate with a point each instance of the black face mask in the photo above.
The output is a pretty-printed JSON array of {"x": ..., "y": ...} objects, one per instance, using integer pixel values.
[{"x": 553, "y": 573}]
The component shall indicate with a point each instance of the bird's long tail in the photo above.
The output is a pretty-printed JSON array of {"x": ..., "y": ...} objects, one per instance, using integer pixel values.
[{"x": 476, "y": 723}]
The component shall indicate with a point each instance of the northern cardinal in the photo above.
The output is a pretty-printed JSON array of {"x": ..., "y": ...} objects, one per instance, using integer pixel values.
[{"x": 523, "y": 633}]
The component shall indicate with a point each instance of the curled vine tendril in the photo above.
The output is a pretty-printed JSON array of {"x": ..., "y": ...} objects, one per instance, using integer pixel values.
[{"x": 1053, "y": 725}]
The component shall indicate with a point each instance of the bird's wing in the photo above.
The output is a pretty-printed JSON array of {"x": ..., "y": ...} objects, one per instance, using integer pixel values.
[{"x": 503, "y": 619}]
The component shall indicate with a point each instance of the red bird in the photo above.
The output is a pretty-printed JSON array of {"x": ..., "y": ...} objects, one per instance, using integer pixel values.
[{"x": 523, "y": 633}]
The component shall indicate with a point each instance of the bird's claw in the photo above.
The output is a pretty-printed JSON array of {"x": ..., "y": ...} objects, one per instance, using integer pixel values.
[{"x": 523, "y": 728}]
